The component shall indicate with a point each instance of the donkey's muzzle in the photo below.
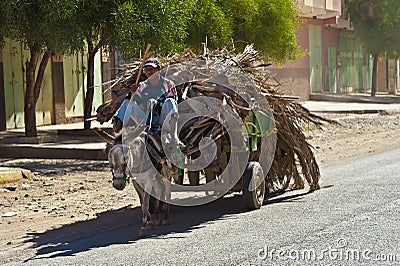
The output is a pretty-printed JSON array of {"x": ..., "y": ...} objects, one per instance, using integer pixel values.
[{"x": 119, "y": 184}]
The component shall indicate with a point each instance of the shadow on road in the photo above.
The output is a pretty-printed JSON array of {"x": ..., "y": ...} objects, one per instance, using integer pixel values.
[
  {"x": 46, "y": 167},
  {"x": 122, "y": 226}
]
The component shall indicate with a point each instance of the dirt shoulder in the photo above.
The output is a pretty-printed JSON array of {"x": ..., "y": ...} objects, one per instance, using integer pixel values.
[
  {"x": 70, "y": 191},
  {"x": 61, "y": 192},
  {"x": 356, "y": 136}
]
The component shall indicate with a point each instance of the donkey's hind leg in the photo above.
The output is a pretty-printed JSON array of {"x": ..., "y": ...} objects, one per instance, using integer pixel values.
[
  {"x": 159, "y": 188},
  {"x": 157, "y": 220}
]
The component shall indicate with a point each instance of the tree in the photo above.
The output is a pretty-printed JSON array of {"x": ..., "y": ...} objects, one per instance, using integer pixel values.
[
  {"x": 127, "y": 26},
  {"x": 47, "y": 27},
  {"x": 377, "y": 25},
  {"x": 92, "y": 26},
  {"x": 161, "y": 23},
  {"x": 35, "y": 24},
  {"x": 171, "y": 25},
  {"x": 208, "y": 20},
  {"x": 269, "y": 24}
]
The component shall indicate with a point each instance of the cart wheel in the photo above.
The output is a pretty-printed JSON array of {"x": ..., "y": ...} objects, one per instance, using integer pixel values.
[
  {"x": 194, "y": 178},
  {"x": 253, "y": 196}
]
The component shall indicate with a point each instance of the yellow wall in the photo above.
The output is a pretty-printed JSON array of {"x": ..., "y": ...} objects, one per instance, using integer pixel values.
[{"x": 14, "y": 59}]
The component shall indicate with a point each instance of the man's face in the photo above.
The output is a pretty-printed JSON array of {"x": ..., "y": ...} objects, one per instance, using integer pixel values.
[{"x": 149, "y": 71}]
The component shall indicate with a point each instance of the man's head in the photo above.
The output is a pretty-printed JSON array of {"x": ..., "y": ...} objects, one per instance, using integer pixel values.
[{"x": 151, "y": 66}]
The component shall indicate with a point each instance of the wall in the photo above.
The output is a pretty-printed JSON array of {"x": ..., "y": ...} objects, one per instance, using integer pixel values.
[
  {"x": 295, "y": 77},
  {"x": 382, "y": 78},
  {"x": 14, "y": 58},
  {"x": 329, "y": 40},
  {"x": 57, "y": 72},
  {"x": 62, "y": 93},
  {"x": 2, "y": 99},
  {"x": 75, "y": 77},
  {"x": 13, "y": 84}
]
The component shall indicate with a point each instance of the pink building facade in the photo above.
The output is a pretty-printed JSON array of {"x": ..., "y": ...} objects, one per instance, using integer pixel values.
[{"x": 334, "y": 61}]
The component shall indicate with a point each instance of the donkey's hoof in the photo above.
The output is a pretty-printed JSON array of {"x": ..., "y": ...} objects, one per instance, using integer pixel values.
[
  {"x": 142, "y": 232},
  {"x": 165, "y": 222},
  {"x": 149, "y": 225}
]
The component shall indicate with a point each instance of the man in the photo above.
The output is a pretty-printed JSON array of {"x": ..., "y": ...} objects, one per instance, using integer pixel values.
[{"x": 157, "y": 94}]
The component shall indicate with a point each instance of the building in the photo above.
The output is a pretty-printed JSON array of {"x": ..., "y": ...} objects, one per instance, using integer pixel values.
[
  {"x": 334, "y": 60},
  {"x": 62, "y": 93}
]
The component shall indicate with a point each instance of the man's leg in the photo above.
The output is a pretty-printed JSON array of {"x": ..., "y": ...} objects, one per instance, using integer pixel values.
[
  {"x": 117, "y": 125},
  {"x": 118, "y": 121},
  {"x": 120, "y": 113}
]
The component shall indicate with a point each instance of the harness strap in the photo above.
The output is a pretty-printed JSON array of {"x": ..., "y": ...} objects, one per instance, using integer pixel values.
[{"x": 154, "y": 154}]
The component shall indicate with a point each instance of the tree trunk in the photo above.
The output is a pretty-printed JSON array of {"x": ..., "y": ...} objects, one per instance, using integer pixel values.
[
  {"x": 30, "y": 105},
  {"x": 90, "y": 86},
  {"x": 374, "y": 75},
  {"x": 40, "y": 74},
  {"x": 32, "y": 91}
]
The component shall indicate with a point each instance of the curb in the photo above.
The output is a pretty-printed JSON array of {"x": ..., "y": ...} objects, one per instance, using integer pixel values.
[
  {"x": 345, "y": 98},
  {"x": 9, "y": 175},
  {"x": 357, "y": 111},
  {"x": 51, "y": 153}
]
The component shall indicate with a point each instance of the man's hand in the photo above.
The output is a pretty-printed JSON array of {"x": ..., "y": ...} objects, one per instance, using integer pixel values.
[{"x": 152, "y": 102}]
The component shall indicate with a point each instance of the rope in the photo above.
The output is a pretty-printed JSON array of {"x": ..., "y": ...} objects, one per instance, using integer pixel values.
[{"x": 249, "y": 131}]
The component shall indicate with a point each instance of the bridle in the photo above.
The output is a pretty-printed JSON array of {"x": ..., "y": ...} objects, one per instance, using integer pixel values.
[{"x": 126, "y": 178}]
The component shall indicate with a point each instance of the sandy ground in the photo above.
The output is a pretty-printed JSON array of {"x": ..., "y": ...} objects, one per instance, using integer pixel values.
[
  {"x": 69, "y": 191},
  {"x": 356, "y": 136}
]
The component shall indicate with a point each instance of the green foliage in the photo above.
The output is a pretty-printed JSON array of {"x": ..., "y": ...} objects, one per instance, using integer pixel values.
[
  {"x": 26, "y": 22},
  {"x": 209, "y": 20},
  {"x": 161, "y": 23},
  {"x": 269, "y": 24},
  {"x": 377, "y": 25},
  {"x": 4, "y": 6},
  {"x": 36, "y": 24},
  {"x": 89, "y": 23},
  {"x": 170, "y": 26},
  {"x": 274, "y": 29}
]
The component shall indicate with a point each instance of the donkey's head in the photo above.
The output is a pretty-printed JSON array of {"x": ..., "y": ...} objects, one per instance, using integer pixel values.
[
  {"x": 131, "y": 158},
  {"x": 118, "y": 164}
]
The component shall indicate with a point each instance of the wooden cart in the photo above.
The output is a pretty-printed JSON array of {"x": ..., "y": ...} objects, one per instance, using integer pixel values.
[{"x": 252, "y": 181}]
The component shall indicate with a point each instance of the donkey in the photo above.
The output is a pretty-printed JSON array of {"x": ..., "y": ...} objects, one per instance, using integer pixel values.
[{"x": 133, "y": 161}]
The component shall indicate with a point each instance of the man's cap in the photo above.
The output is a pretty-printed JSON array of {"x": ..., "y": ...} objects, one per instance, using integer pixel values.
[{"x": 153, "y": 62}]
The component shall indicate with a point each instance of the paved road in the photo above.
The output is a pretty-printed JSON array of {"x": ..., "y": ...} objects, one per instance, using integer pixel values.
[{"x": 353, "y": 220}]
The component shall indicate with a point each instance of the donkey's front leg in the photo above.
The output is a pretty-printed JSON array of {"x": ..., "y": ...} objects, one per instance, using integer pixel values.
[
  {"x": 167, "y": 194},
  {"x": 139, "y": 191},
  {"x": 146, "y": 217}
]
